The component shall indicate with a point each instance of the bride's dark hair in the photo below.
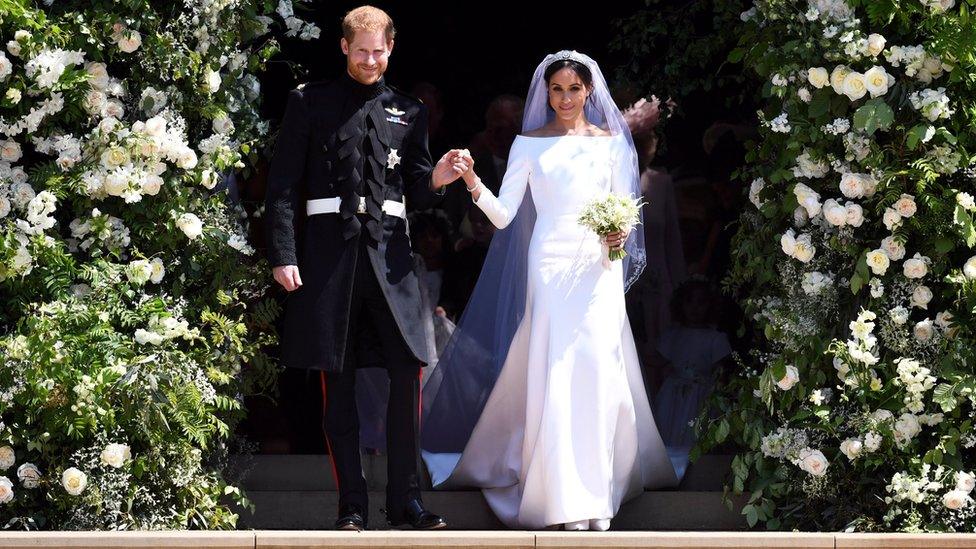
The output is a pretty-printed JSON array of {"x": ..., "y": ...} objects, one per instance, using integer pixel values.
[{"x": 580, "y": 69}]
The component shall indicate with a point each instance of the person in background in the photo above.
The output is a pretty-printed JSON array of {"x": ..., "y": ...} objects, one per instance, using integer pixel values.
[
  {"x": 461, "y": 273},
  {"x": 649, "y": 301},
  {"x": 489, "y": 148}
]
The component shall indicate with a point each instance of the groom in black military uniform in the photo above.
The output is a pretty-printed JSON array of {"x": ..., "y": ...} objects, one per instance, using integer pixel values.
[{"x": 351, "y": 153}]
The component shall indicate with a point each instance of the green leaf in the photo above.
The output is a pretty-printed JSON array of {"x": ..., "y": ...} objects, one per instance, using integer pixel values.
[
  {"x": 873, "y": 115},
  {"x": 965, "y": 220},
  {"x": 819, "y": 105},
  {"x": 945, "y": 397},
  {"x": 722, "y": 432}
]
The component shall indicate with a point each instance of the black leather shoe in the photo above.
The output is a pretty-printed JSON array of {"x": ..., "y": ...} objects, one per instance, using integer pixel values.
[
  {"x": 351, "y": 517},
  {"x": 419, "y": 518}
]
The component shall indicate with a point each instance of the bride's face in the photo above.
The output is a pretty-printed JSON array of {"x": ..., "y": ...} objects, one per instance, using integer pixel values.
[{"x": 567, "y": 94}]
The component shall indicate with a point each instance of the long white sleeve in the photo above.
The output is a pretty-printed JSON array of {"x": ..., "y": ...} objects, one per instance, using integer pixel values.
[{"x": 502, "y": 209}]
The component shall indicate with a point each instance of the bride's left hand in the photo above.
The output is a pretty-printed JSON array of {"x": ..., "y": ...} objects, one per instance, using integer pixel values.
[{"x": 616, "y": 240}]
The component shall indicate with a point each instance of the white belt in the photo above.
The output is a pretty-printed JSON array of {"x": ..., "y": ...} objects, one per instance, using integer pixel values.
[{"x": 331, "y": 205}]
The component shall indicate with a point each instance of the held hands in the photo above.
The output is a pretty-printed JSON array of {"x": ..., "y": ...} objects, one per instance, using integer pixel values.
[
  {"x": 451, "y": 166},
  {"x": 616, "y": 240},
  {"x": 288, "y": 277}
]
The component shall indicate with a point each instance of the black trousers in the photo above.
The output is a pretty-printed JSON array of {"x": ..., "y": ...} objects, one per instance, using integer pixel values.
[{"x": 370, "y": 318}]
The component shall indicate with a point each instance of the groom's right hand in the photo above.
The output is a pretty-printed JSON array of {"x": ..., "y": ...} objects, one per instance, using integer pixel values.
[{"x": 288, "y": 277}]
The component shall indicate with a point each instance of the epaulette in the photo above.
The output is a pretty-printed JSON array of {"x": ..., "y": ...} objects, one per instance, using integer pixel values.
[
  {"x": 312, "y": 85},
  {"x": 403, "y": 93}
]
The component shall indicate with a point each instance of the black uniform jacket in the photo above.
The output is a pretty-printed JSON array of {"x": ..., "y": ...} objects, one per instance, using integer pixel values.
[{"x": 327, "y": 128}]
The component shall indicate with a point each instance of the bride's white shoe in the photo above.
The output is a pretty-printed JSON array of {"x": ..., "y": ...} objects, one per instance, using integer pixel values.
[
  {"x": 577, "y": 525},
  {"x": 601, "y": 525}
]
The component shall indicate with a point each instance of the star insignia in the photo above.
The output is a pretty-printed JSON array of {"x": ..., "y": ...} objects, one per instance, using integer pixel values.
[
  {"x": 393, "y": 159},
  {"x": 394, "y": 111}
]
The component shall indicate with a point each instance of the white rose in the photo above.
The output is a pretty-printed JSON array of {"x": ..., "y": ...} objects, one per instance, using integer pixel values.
[
  {"x": 6, "y": 490},
  {"x": 212, "y": 80},
  {"x": 98, "y": 74},
  {"x": 115, "y": 183},
  {"x": 876, "y": 81},
  {"x": 804, "y": 250},
  {"x": 907, "y": 426},
  {"x": 876, "y": 44},
  {"x": 7, "y": 458},
  {"x": 837, "y": 77},
  {"x": 855, "y": 215},
  {"x": 965, "y": 481},
  {"x": 905, "y": 206},
  {"x": 10, "y": 151},
  {"x": 872, "y": 441},
  {"x": 156, "y": 126},
  {"x": 29, "y": 475},
  {"x": 4, "y": 206},
  {"x": 115, "y": 455},
  {"x": 834, "y": 213},
  {"x": 916, "y": 267},
  {"x": 878, "y": 261},
  {"x": 114, "y": 157},
  {"x": 969, "y": 269},
  {"x": 818, "y": 77},
  {"x": 138, "y": 271},
  {"x": 891, "y": 219},
  {"x": 95, "y": 101},
  {"x": 74, "y": 481},
  {"x": 854, "y": 86},
  {"x": 924, "y": 330},
  {"x": 151, "y": 184},
  {"x": 209, "y": 178},
  {"x": 790, "y": 379},
  {"x": 852, "y": 185},
  {"x": 955, "y": 499},
  {"x": 804, "y": 95},
  {"x": 813, "y": 462},
  {"x": 808, "y": 198},
  {"x": 851, "y": 448},
  {"x": 894, "y": 249},
  {"x": 186, "y": 159},
  {"x": 114, "y": 109},
  {"x": 788, "y": 244},
  {"x": 899, "y": 315},
  {"x": 223, "y": 124},
  {"x": 158, "y": 271},
  {"x": 130, "y": 41},
  {"x": 6, "y": 67},
  {"x": 14, "y": 48},
  {"x": 190, "y": 224},
  {"x": 13, "y": 95},
  {"x": 966, "y": 200},
  {"x": 943, "y": 320},
  {"x": 921, "y": 297}
]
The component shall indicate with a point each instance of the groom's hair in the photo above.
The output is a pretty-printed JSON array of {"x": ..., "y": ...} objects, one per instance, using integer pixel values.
[{"x": 369, "y": 19}]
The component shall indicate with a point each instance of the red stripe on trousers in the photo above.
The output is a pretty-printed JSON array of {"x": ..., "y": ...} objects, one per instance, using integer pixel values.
[{"x": 328, "y": 445}]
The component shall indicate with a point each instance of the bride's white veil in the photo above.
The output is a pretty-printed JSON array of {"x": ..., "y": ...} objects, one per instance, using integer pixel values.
[{"x": 456, "y": 392}]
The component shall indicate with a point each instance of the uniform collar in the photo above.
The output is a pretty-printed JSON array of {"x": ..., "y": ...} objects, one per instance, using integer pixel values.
[{"x": 363, "y": 91}]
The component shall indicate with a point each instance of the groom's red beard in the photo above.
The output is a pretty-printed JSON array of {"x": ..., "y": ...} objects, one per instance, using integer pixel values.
[{"x": 362, "y": 74}]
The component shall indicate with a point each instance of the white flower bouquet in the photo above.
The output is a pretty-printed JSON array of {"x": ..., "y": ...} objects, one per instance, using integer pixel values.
[{"x": 612, "y": 214}]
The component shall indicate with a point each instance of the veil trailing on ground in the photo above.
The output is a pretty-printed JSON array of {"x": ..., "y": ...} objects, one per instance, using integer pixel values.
[{"x": 458, "y": 388}]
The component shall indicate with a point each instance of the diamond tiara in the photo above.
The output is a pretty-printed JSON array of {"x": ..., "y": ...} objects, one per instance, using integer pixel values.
[{"x": 569, "y": 54}]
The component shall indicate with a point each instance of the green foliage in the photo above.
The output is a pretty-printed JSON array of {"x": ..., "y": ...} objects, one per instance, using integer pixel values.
[{"x": 133, "y": 312}]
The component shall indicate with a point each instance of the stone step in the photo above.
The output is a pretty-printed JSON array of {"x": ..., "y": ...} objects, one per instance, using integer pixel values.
[
  {"x": 467, "y": 510},
  {"x": 278, "y": 539},
  {"x": 310, "y": 472}
]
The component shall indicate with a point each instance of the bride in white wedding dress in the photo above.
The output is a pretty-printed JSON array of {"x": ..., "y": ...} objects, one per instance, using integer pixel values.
[{"x": 539, "y": 398}]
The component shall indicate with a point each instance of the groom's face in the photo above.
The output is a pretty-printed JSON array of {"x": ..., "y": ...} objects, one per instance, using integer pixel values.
[{"x": 367, "y": 55}]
